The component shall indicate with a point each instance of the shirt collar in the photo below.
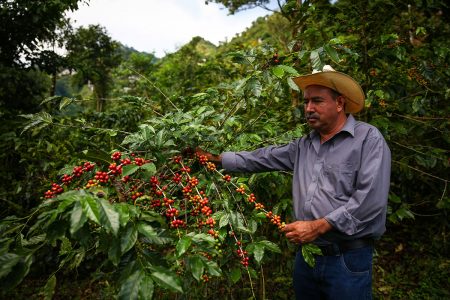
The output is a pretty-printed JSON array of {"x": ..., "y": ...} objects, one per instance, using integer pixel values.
[{"x": 349, "y": 127}]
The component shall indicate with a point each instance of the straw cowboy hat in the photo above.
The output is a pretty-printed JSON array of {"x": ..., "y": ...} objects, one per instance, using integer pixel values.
[{"x": 340, "y": 82}]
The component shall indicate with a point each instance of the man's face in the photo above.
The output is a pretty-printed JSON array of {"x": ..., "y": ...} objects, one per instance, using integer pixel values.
[{"x": 321, "y": 110}]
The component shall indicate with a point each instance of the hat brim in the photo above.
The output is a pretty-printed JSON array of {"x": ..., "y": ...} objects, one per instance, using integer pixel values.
[{"x": 340, "y": 82}]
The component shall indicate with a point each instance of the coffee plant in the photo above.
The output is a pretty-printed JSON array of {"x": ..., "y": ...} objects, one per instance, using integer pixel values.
[{"x": 170, "y": 225}]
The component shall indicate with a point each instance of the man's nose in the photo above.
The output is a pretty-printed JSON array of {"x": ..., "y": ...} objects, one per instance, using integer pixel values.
[{"x": 309, "y": 107}]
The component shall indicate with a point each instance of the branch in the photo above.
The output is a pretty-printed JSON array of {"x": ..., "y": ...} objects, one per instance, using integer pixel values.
[
  {"x": 422, "y": 172},
  {"x": 157, "y": 88}
]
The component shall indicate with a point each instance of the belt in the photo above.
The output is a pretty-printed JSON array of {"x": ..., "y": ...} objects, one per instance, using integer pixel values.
[{"x": 336, "y": 249}]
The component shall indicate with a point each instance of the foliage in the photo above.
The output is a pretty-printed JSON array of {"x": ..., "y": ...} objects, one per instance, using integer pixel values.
[
  {"x": 237, "y": 5},
  {"x": 26, "y": 24},
  {"x": 154, "y": 226},
  {"x": 93, "y": 54},
  {"x": 237, "y": 96}
]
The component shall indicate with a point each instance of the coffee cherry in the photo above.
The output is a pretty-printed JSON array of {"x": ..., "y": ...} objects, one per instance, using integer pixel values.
[
  {"x": 259, "y": 206},
  {"x": 115, "y": 169},
  {"x": 177, "y": 178},
  {"x": 177, "y": 159},
  {"x": 213, "y": 233},
  {"x": 241, "y": 189},
  {"x": 210, "y": 221},
  {"x": 91, "y": 183},
  {"x": 193, "y": 181},
  {"x": 185, "y": 170},
  {"x": 125, "y": 161},
  {"x": 138, "y": 161},
  {"x": 206, "y": 210},
  {"x": 251, "y": 198},
  {"x": 203, "y": 159},
  {"x": 56, "y": 188},
  {"x": 226, "y": 178},
  {"x": 88, "y": 166},
  {"x": 77, "y": 171},
  {"x": 48, "y": 194},
  {"x": 102, "y": 176},
  {"x": 177, "y": 223},
  {"x": 116, "y": 155},
  {"x": 172, "y": 212},
  {"x": 66, "y": 179},
  {"x": 211, "y": 166}
]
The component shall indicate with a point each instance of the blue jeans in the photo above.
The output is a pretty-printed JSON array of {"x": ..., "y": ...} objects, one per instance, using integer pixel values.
[{"x": 345, "y": 276}]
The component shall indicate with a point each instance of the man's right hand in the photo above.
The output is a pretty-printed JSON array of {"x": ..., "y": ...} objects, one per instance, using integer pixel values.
[{"x": 211, "y": 157}]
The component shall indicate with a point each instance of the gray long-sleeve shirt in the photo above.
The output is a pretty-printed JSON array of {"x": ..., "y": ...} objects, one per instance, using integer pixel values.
[{"x": 344, "y": 180}]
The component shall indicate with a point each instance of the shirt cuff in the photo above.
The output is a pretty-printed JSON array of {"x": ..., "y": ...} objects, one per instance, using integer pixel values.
[
  {"x": 229, "y": 161},
  {"x": 343, "y": 221}
]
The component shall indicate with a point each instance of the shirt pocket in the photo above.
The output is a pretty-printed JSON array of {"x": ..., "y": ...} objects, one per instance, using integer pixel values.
[{"x": 340, "y": 178}]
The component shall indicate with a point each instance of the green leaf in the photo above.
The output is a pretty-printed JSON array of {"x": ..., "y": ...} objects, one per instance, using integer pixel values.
[
  {"x": 213, "y": 268},
  {"x": 147, "y": 230},
  {"x": 270, "y": 246},
  {"x": 224, "y": 221},
  {"x": 289, "y": 69},
  {"x": 149, "y": 169},
  {"x": 166, "y": 278},
  {"x": 394, "y": 198},
  {"x": 129, "y": 289},
  {"x": 146, "y": 288},
  {"x": 301, "y": 54},
  {"x": 49, "y": 288},
  {"x": 308, "y": 252},
  {"x": 50, "y": 99},
  {"x": 147, "y": 131},
  {"x": 109, "y": 218},
  {"x": 254, "y": 85},
  {"x": 183, "y": 244},
  {"x": 153, "y": 236},
  {"x": 202, "y": 237},
  {"x": 128, "y": 238},
  {"x": 332, "y": 53},
  {"x": 18, "y": 272},
  {"x": 39, "y": 120},
  {"x": 114, "y": 253},
  {"x": 129, "y": 169},
  {"x": 195, "y": 264},
  {"x": 96, "y": 155},
  {"x": 152, "y": 216},
  {"x": 65, "y": 102},
  {"x": 160, "y": 138},
  {"x": 34, "y": 240},
  {"x": 258, "y": 252},
  {"x": 124, "y": 212},
  {"x": 90, "y": 206},
  {"x": 278, "y": 71},
  {"x": 77, "y": 217},
  {"x": 292, "y": 84},
  {"x": 235, "y": 275},
  {"x": 7, "y": 262},
  {"x": 315, "y": 59}
]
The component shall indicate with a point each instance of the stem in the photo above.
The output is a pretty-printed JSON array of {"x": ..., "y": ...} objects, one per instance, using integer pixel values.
[
  {"x": 422, "y": 172},
  {"x": 156, "y": 87}
]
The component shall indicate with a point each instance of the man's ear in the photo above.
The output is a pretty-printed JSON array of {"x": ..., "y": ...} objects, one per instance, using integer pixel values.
[{"x": 340, "y": 101}]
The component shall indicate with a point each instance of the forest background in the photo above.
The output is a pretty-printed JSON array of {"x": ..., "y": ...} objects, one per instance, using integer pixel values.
[{"x": 91, "y": 237}]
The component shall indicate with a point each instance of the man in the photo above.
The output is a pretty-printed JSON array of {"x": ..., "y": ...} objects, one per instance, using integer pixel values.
[{"x": 341, "y": 173}]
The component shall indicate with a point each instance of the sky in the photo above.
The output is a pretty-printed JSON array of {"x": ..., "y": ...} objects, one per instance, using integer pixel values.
[{"x": 163, "y": 26}]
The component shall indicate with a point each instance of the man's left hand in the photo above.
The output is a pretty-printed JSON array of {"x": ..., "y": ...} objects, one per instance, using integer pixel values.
[{"x": 305, "y": 231}]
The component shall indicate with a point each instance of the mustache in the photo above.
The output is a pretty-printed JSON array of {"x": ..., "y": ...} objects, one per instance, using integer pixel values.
[{"x": 312, "y": 116}]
